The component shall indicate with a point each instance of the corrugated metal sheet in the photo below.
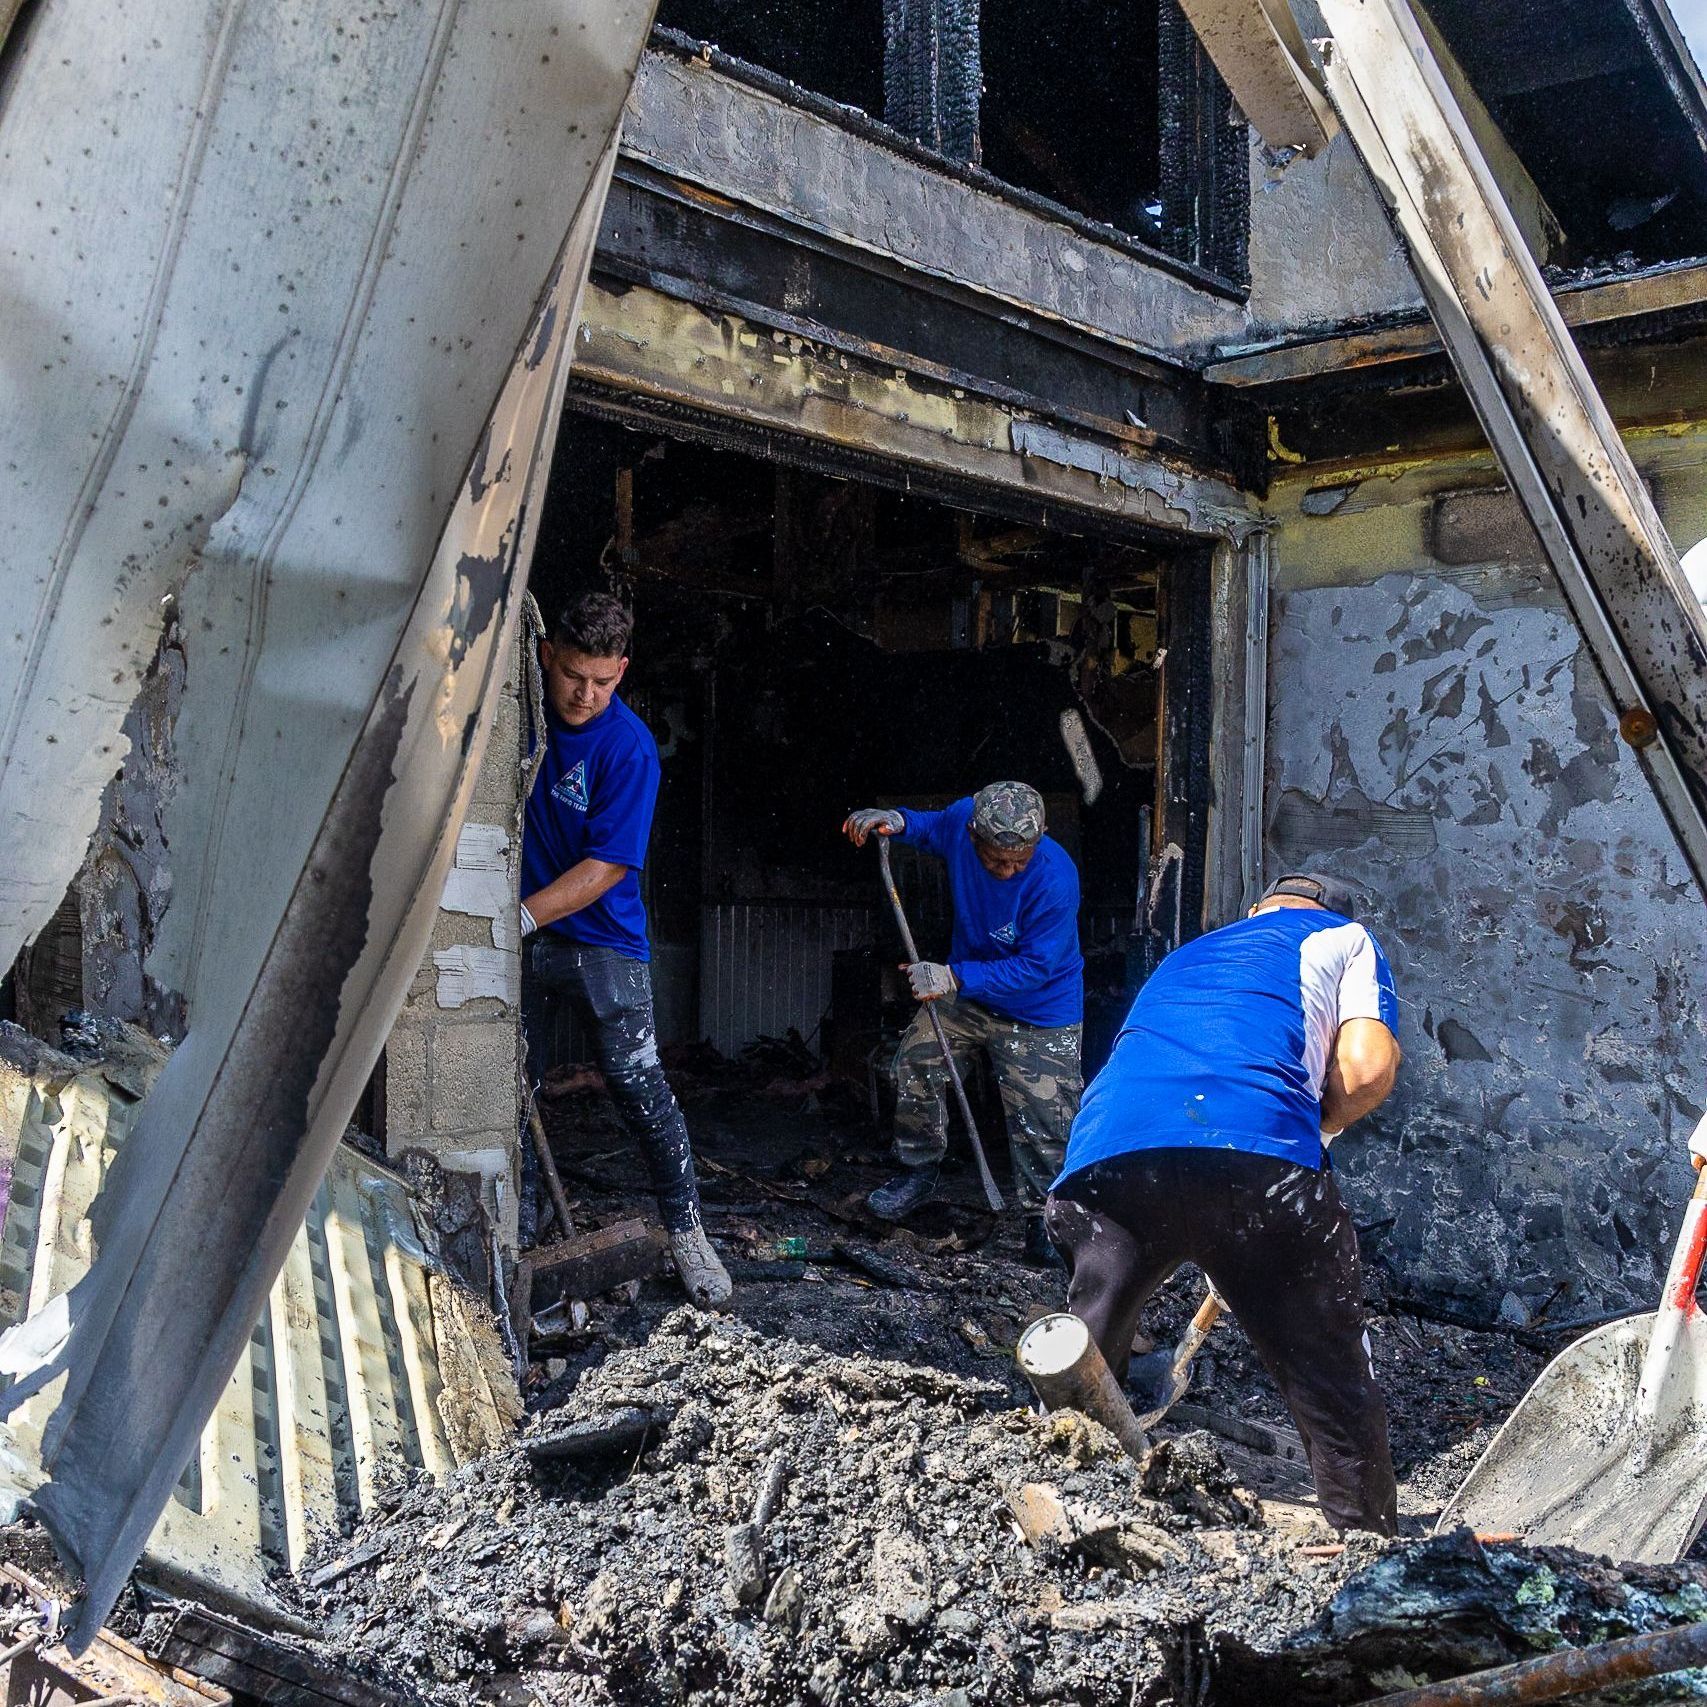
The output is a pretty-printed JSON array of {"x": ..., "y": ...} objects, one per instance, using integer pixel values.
[
  {"x": 340, "y": 1379},
  {"x": 765, "y": 966}
]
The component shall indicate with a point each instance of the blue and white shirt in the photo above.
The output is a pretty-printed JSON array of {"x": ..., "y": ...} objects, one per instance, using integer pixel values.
[
  {"x": 1016, "y": 939},
  {"x": 1228, "y": 1044},
  {"x": 593, "y": 799}
]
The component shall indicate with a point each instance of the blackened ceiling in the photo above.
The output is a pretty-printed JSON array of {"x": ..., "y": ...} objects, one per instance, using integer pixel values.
[{"x": 1603, "y": 107}]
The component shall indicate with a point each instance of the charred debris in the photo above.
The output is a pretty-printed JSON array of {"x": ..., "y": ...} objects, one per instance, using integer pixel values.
[{"x": 1033, "y": 417}]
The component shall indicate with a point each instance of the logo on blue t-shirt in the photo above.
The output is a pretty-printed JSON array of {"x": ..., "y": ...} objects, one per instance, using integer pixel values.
[
  {"x": 1007, "y": 934},
  {"x": 571, "y": 787}
]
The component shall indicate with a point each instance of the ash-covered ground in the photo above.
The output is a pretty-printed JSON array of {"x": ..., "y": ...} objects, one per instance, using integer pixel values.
[{"x": 836, "y": 1493}]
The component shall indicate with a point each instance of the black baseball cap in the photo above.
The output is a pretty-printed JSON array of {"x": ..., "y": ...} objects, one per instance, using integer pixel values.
[{"x": 1327, "y": 892}]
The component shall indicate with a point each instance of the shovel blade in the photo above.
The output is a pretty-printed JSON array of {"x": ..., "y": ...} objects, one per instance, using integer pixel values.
[
  {"x": 1576, "y": 1466},
  {"x": 1155, "y": 1384}
]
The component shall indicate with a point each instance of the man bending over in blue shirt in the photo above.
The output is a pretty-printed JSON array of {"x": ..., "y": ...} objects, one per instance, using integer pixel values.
[
  {"x": 589, "y": 818},
  {"x": 1013, "y": 987},
  {"x": 1204, "y": 1140}
]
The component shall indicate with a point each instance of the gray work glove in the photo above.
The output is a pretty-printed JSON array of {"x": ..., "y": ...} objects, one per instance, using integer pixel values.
[
  {"x": 930, "y": 982},
  {"x": 884, "y": 820},
  {"x": 1698, "y": 1142},
  {"x": 528, "y": 926}
]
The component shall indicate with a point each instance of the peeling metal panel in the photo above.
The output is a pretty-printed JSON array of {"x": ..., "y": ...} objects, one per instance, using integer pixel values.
[
  {"x": 339, "y": 1383},
  {"x": 1532, "y": 393},
  {"x": 360, "y": 536},
  {"x": 1184, "y": 501}
]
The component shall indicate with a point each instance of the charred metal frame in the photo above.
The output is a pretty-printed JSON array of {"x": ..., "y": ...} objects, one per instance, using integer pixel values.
[
  {"x": 1533, "y": 394},
  {"x": 661, "y": 232}
]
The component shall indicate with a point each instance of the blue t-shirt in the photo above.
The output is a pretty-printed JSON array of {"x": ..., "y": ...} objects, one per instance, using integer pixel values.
[
  {"x": 593, "y": 799},
  {"x": 1016, "y": 939},
  {"x": 1229, "y": 1041}
]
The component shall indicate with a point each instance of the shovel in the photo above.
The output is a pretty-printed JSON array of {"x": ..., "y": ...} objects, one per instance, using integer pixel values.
[
  {"x": 1607, "y": 1452},
  {"x": 1158, "y": 1380}
]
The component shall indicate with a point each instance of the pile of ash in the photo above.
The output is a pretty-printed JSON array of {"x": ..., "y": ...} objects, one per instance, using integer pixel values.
[
  {"x": 721, "y": 1516},
  {"x": 895, "y": 1566}
]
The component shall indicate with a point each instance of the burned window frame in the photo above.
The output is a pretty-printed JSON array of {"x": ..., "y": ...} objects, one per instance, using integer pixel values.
[{"x": 932, "y": 115}]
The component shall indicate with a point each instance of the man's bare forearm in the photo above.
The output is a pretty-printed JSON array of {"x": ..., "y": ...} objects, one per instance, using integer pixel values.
[
  {"x": 1361, "y": 1073},
  {"x": 579, "y": 887}
]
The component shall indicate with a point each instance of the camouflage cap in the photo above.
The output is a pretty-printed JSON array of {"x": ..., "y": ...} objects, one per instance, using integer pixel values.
[{"x": 1008, "y": 815}]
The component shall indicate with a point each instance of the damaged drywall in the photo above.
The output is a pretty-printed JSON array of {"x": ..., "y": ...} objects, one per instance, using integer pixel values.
[{"x": 1439, "y": 736}]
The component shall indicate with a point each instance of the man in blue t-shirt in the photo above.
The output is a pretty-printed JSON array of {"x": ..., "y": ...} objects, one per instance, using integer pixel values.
[
  {"x": 1204, "y": 1141},
  {"x": 589, "y": 818},
  {"x": 1013, "y": 987}
]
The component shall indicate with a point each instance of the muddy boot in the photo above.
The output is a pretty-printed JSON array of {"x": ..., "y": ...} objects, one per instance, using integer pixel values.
[
  {"x": 897, "y": 1198},
  {"x": 704, "y": 1278},
  {"x": 1039, "y": 1252}
]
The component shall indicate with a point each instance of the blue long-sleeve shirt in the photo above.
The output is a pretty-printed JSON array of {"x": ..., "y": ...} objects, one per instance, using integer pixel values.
[{"x": 1016, "y": 940}]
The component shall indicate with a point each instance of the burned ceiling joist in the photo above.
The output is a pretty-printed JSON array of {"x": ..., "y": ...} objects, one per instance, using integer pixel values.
[{"x": 658, "y": 232}]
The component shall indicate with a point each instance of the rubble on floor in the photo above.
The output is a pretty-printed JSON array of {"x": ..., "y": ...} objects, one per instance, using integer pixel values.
[{"x": 719, "y": 1515}]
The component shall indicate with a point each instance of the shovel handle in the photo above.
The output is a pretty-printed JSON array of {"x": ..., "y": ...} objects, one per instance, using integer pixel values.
[
  {"x": 1676, "y": 1302},
  {"x": 988, "y": 1180},
  {"x": 1208, "y": 1314}
]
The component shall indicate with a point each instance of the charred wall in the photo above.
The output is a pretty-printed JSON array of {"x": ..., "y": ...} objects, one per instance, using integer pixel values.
[{"x": 1438, "y": 736}]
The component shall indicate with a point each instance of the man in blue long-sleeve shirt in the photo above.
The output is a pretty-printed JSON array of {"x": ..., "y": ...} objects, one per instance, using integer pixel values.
[{"x": 1013, "y": 988}]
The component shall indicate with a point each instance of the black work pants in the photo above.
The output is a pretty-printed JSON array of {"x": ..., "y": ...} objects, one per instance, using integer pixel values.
[
  {"x": 611, "y": 995},
  {"x": 1279, "y": 1246}
]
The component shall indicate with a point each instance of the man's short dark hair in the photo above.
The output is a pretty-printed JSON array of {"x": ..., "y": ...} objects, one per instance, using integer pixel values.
[{"x": 600, "y": 624}]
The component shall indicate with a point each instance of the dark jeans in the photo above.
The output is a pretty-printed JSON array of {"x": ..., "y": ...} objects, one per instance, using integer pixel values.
[
  {"x": 612, "y": 997},
  {"x": 1280, "y": 1248}
]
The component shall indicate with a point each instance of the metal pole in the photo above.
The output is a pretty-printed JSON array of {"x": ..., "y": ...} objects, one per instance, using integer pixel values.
[{"x": 1573, "y": 1671}]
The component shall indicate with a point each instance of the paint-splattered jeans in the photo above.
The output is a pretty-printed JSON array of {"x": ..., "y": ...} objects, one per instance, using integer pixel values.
[
  {"x": 1037, "y": 1073},
  {"x": 611, "y": 995},
  {"x": 1280, "y": 1248}
]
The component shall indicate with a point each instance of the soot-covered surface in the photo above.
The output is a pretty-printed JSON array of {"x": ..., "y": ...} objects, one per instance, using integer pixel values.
[{"x": 931, "y": 1540}]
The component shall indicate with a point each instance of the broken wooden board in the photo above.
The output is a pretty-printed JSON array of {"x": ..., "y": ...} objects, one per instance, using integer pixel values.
[
  {"x": 46, "y": 1674},
  {"x": 270, "y": 1668},
  {"x": 588, "y": 1264},
  {"x": 1267, "y": 1458},
  {"x": 478, "y": 1402},
  {"x": 622, "y": 1431}
]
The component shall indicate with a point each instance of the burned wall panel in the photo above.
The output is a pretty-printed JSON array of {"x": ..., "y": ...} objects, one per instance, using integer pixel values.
[{"x": 1439, "y": 737}]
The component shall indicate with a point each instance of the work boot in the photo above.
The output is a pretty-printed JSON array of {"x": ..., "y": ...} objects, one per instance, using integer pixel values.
[
  {"x": 704, "y": 1278},
  {"x": 1040, "y": 1251},
  {"x": 897, "y": 1198}
]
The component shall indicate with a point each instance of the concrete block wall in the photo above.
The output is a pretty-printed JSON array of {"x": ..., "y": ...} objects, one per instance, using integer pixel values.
[{"x": 452, "y": 1063}]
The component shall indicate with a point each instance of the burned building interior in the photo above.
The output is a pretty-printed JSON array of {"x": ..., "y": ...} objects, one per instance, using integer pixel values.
[
  {"x": 1266, "y": 428},
  {"x": 816, "y": 641}
]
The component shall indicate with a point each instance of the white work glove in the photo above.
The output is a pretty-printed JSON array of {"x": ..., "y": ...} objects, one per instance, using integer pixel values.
[
  {"x": 1698, "y": 1142},
  {"x": 884, "y": 820},
  {"x": 528, "y": 926},
  {"x": 930, "y": 982}
]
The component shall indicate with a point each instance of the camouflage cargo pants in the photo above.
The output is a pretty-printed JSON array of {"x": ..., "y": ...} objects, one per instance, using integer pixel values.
[{"x": 1037, "y": 1073}]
